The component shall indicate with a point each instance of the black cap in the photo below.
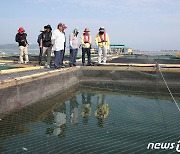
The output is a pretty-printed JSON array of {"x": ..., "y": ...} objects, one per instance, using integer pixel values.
[
  {"x": 102, "y": 29},
  {"x": 48, "y": 26}
]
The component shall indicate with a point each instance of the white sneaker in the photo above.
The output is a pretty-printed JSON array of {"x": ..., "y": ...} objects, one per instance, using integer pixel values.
[
  {"x": 46, "y": 64},
  {"x": 26, "y": 62},
  {"x": 48, "y": 67}
]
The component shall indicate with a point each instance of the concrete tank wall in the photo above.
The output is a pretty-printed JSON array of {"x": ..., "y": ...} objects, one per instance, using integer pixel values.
[{"x": 29, "y": 89}]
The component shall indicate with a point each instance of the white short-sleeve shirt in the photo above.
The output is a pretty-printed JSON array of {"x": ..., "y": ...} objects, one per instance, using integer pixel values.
[{"x": 58, "y": 39}]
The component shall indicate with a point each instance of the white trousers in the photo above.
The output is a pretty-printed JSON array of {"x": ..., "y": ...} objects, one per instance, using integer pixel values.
[{"x": 102, "y": 50}]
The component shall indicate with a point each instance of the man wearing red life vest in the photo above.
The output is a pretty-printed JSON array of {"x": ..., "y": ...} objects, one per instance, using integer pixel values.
[
  {"x": 86, "y": 46},
  {"x": 103, "y": 42}
]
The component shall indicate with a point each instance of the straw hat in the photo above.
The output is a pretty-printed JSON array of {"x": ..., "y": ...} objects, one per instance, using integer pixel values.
[{"x": 86, "y": 30}]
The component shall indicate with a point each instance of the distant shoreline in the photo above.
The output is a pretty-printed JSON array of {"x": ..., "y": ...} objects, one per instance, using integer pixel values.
[
  {"x": 36, "y": 52},
  {"x": 34, "y": 49}
]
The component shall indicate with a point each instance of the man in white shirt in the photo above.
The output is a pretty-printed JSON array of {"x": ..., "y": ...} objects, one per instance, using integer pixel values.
[{"x": 58, "y": 40}]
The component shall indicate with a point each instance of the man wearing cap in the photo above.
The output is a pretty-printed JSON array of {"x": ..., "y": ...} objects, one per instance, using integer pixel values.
[
  {"x": 64, "y": 28},
  {"x": 86, "y": 46},
  {"x": 23, "y": 45},
  {"x": 103, "y": 42},
  {"x": 58, "y": 40},
  {"x": 73, "y": 42},
  {"x": 46, "y": 45}
]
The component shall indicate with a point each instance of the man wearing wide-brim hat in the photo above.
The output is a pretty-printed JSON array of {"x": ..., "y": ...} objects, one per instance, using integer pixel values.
[
  {"x": 103, "y": 42},
  {"x": 46, "y": 45},
  {"x": 86, "y": 46}
]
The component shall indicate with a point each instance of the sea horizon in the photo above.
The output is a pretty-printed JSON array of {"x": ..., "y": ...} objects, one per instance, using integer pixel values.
[{"x": 34, "y": 49}]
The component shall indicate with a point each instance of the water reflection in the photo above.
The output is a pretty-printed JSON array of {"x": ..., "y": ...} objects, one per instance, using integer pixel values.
[
  {"x": 58, "y": 118},
  {"x": 102, "y": 110},
  {"x": 86, "y": 107},
  {"x": 74, "y": 110}
]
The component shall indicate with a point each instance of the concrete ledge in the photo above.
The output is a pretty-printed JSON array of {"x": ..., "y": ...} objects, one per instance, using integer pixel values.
[
  {"x": 6, "y": 61},
  {"x": 142, "y": 65},
  {"x": 11, "y": 82},
  {"x": 20, "y": 69}
]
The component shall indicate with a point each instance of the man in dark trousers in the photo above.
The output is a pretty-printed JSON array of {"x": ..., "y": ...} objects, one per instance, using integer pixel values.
[
  {"x": 86, "y": 46},
  {"x": 46, "y": 45},
  {"x": 58, "y": 40},
  {"x": 40, "y": 47},
  {"x": 64, "y": 28},
  {"x": 73, "y": 42}
]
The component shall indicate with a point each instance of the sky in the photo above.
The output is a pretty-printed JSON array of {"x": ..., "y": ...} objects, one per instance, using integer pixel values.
[{"x": 139, "y": 24}]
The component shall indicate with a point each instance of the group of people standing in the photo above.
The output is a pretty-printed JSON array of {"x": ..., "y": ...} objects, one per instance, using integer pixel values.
[{"x": 56, "y": 41}]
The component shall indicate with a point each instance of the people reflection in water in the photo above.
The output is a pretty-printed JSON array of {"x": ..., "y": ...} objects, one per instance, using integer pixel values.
[
  {"x": 86, "y": 107},
  {"x": 102, "y": 110},
  {"x": 74, "y": 110},
  {"x": 57, "y": 118}
]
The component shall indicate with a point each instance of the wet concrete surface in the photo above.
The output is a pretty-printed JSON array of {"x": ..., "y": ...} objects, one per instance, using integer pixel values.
[
  {"x": 145, "y": 60},
  {"x": 21, "y": 74}
]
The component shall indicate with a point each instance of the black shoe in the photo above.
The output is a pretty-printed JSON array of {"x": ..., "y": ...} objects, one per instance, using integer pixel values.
[
  {"x": 82, "y": 64},
  {"x": 56, "y": 67},
  {"x": 74, "y": 64},
  {"x": 88, "y": 64}
]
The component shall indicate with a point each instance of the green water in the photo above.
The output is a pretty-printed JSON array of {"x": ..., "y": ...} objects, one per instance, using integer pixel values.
[
  {"x": 92, "y": 121},
  {"x": 6, "y": 67}
]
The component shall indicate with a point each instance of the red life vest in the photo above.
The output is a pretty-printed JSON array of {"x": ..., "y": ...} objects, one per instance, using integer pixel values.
[
  {"x": 101, "y": 37},
  {"x": 85, "y": 38}
]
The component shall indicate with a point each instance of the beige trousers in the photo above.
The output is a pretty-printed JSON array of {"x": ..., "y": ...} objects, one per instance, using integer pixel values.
[{"x": 23, "y": 52}]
